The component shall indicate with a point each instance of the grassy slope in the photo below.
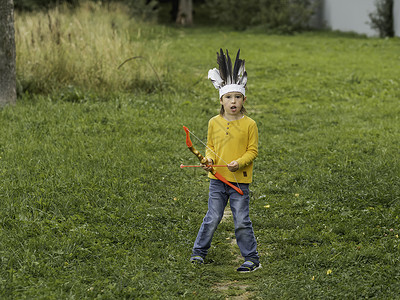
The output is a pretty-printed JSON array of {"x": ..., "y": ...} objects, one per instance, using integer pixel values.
[{"x": 94, "y": 204}]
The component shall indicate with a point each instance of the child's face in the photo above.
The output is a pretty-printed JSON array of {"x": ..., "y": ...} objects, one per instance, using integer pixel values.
[{"x": 232, "y": 103}]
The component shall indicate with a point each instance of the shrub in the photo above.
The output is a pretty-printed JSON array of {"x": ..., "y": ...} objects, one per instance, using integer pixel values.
[
  {"x": 285, "y": 15},
  {"x": 139, "y": 9},
  {"x": 31, "y": 5},
  {"x": 382, "y": 18},
  {"x": 145, "y": 10}
]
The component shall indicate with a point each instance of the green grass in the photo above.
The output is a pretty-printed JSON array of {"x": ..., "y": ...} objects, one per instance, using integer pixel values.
[{"x": 94, "y": 204}]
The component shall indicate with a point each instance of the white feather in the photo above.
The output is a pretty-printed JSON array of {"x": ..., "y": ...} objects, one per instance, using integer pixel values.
[
  {"x": 215, "y": 77},
  {"x": 243, "y": 79},
  {"x": 241, "y": 70}
]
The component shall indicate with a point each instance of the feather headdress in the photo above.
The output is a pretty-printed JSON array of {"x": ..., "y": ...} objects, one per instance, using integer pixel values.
[{"x": 225, "y": 79}]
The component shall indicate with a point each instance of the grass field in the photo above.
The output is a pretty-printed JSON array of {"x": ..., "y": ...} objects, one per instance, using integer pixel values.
[{"x": 94, "y": 204}]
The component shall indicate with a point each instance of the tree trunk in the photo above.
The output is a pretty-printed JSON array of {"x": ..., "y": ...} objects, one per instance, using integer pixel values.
[
  {"x": 8, "y": 94},
  {"x": 185, "y": 13}
]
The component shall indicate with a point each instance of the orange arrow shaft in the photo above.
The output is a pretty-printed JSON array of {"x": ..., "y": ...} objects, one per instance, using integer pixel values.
[{"x": 198, "y": 166}]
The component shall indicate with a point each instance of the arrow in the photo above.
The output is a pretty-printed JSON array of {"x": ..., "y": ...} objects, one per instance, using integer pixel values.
[{"x": 198, "y": 166}]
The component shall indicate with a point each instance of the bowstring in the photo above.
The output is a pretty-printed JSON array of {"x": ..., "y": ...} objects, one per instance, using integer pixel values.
[{"x": 205, "y": 145}]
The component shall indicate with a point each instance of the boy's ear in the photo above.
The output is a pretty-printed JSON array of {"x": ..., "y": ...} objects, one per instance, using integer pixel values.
[{"x": 244, "y": 99}]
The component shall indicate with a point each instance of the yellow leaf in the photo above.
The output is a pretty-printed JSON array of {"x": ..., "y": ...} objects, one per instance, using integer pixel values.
[{"x": 329, "y": 272}]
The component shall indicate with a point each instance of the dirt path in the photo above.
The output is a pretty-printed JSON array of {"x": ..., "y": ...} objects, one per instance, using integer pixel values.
[
  {"x": 232, "y": 289},
  {"x": 229, "y": 218}
]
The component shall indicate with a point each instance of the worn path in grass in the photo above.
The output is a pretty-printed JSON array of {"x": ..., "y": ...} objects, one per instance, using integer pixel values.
[{"x": 233, "y": 289}]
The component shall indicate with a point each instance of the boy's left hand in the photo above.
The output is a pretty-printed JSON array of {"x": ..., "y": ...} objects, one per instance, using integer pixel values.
[
  {"x": 209, "y": 163},
  {"x": 233, "y": 166}
]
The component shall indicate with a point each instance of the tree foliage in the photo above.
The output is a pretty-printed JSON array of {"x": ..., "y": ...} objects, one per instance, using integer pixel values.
[
  {"x": 139, "y": 9},
  {"x": 382, "y": 18},
  {"x": 31, "y": 5},
  {"x": 285, "y": 15}
]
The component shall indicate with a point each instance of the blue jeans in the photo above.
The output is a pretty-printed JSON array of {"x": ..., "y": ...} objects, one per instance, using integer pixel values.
[{"x": 217, "y": 201}]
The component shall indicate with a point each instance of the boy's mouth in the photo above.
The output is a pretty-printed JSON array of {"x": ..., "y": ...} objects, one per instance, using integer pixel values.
[{"x": 233, "y": 108}]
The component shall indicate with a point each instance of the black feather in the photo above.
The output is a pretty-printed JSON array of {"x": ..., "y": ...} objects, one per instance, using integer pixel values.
[
  {"x": 236, "y": 76},
  {"x": 229, "y": 68},
  {"x": 236, "y": 68},
  {"x": 221, "y": 60}
]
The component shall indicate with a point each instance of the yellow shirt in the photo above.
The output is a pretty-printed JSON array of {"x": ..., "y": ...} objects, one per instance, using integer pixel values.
[{"x": 233, "y": 140}]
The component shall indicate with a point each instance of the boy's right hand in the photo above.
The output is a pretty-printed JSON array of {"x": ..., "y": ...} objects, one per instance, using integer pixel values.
[{"x": 207, "y": 165}]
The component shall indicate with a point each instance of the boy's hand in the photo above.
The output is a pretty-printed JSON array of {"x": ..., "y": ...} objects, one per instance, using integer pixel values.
[
  {"x": 207, "y": 165},
  {"x": 233, "y": 166}
]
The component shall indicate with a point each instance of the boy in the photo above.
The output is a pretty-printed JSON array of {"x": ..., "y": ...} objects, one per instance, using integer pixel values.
[{"x": 232, "y": 140}]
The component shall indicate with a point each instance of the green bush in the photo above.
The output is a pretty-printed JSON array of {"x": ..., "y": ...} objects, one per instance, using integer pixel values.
[
  {"x": 145, "y": 10},
  {"x": 31, "y": 5},
  {"x": 382, "y": 18},
  {"x": 139, "y": 9},
  {"x": 284, "y": 15}
]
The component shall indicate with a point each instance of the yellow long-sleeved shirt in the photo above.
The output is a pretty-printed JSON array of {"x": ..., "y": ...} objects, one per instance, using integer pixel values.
[{"x": 233, "y": 140}]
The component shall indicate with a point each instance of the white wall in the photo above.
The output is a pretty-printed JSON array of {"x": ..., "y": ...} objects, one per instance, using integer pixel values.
[
  {"x": 349, "y": 15},
  {"x": 396, "y": 17}
]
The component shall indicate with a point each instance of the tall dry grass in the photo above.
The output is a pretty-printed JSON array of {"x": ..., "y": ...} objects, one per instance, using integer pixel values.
[{"x": 83, "y": 48}]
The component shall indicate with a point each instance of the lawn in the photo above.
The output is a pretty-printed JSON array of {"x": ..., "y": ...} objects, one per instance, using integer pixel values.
[{"x": 95, "y": 206}]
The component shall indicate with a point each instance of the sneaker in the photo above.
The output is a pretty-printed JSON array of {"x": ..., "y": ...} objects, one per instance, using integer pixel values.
[
  {"x": 197, "y": 260},
  {"x": 248, "y": 266}
]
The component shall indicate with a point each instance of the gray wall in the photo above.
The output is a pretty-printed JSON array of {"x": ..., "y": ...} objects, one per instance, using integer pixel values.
[{"x": 349, "y": 15}]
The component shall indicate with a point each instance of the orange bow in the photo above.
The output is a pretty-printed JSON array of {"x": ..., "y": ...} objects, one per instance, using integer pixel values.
[{"x": 203, "y": 160}]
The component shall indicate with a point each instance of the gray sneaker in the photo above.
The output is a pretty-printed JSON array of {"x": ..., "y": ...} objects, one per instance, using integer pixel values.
[
  {"x": 196, "y": 259},
  {"x": 248, "y": 266}
]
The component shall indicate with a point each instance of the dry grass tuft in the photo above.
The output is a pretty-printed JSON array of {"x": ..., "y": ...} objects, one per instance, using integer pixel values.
[{"x": 84, "y": 47}]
